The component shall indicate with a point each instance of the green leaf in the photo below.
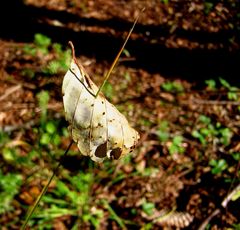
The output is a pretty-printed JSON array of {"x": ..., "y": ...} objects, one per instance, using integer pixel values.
[
  {"x": 236, "y": 156},
  {"x": 205, "y": 132},
  {"x": 126, "y": 52},
  {"x": 236, "y": 195},
  {"x": 232, "y": 96},
  {"x": 108, "y": 90},
  {"x": 204, "y": 119},
  {"x": 29, "y": 50},
  {"x": 56, "y": 139},
  {"x": 167, "y": 86},
  {"x": 176, "y": 146},
  {"x": 165, "y": 1},
  {"x": 218, "y": 166},
  {"x": 199, "y": 136},
  {"x": 51, "y": 127},
  {"x": 163, "y": 133},
  {"x": 43, "y": 98},
  {"x": 211, "y": 84},
  {"x": 42, "y": 40},
  {"x": 177, "y": 140},
  {"x": 148, "y": 208},
  {"x": 226, "y": 135},
  {"x": 208, "y": 7},
  {"x": 162, "y": 136},
  {"x": 58, "y": 48},
  {"x": 133, "y": 211},
  {"x": 224, "y": 83},
  {"x": 45, "y": 139},
  {"x": 8, "y": 154},
  {"x": 9, "y": 187},
  {"x": 172, "y": 86},
  {"x": 213, "y": 162},
  {"x": 62, "y": 189}
]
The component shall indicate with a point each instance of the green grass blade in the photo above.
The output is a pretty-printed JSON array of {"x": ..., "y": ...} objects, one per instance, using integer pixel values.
[
  {"x": 114, "y": 215},
  {"x": 44, "y": 190}
]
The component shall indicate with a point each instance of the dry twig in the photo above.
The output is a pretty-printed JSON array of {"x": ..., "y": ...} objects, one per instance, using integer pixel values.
[{"x": 217, "y": 211}]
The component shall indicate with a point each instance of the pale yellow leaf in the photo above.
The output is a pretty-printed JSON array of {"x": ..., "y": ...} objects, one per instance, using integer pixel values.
[{"x": 97, "y": 127}]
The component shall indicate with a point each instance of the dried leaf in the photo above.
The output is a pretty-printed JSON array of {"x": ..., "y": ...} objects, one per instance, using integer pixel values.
[{"x": 97, "y": 127}]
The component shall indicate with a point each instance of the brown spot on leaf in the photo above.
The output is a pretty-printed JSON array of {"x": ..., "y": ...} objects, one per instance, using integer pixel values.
[
  {"x": 101, "y": 150},
  {"x": 116, "y": 153}
]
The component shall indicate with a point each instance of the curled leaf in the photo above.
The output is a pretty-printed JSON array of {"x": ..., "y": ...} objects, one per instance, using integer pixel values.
[{"x": 97, "y": 127}]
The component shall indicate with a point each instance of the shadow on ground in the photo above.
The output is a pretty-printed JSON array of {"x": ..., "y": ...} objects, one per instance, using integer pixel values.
[{"x": 19, "y": 23}]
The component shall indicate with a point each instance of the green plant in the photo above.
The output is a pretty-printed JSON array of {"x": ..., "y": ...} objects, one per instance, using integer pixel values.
[
  {"x": 43, "y": 98},
  {"x": 113, "y": 214},
  {"x": 29, "y": 50},
  {"x": 4, "y": 138},
  {"x": 43, "y": 46},
  {"x": 225, "y": 135},
  {"x": 12, "y": 155},
  {"x": 236, "y": 226},
  {"x": 9, "y": 187},
  {"x": 208, "y": 6},
  {"x": 41, "y": 40},
  {"x": 236, "y": 196},
  {"x": 232, "y": 93},
  {"x": 165, "y": 1},
  {"x": 218, "y": 166},
  {"x": 211, "y": 84},
  {"x": 149, "y": 171},
  {"x": 176, "y": 145},
  {"x": 144, "y": 122},
  {"x": 28, "y": 73},
  {"x": 163, "y": 131},
  {"x": 127, "y": 77},
  {"x": 71, "y": 200},
  {"x": 209, "y": 132},
  {"x": 236, "y": 156},
  {"x": 50, "y": 134},
  {"x": 42, "y": 43},
  {"x": 126, "y": 52},
  {"x": 9, "y": 154},
  {"x": 172, "y": 86},
  {"x": 148, "y": 208},
  {"x": 108, "y": 90},
  {"x": 61, "y": 63}
]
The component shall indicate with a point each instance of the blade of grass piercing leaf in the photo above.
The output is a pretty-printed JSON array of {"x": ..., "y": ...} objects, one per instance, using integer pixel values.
[
  {"x": 118, "y": 55},
  {"x": 44, "y": 190}
]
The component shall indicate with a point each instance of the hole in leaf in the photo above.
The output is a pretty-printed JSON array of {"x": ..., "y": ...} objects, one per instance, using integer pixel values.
[
  {"x": 116, "y": 153},
  {"x": 101, "y": 150}
]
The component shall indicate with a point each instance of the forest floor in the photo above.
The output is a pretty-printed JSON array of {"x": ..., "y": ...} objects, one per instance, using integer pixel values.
[{"x": 177, "y": 84}]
